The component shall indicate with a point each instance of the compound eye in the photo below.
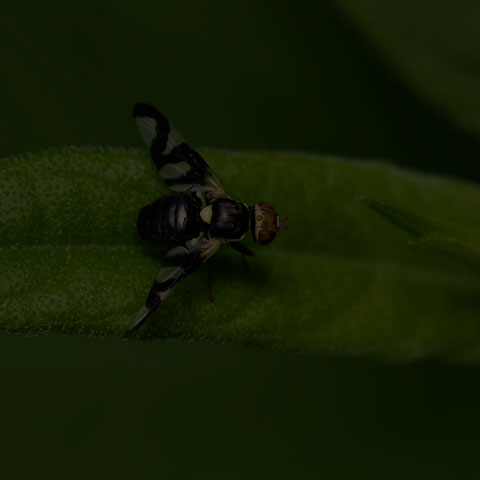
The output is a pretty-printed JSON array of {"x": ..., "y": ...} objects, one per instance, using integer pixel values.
[{"x": 265, "y": 236}]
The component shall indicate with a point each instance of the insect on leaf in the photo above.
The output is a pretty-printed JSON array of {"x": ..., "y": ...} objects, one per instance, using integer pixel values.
[{"x": 347, "y": 279}]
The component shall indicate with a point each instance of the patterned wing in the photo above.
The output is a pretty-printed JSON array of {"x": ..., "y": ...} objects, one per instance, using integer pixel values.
[
  {"x": 179, "y": 262},
  {"x": 181, "y": 167}
]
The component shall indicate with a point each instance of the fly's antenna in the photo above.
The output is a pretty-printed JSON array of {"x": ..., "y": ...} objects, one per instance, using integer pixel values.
[{"x": 283, "y": 223}]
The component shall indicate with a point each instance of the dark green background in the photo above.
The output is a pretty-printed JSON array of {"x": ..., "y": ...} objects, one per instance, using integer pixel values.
[{"x": 269, "y": 75}]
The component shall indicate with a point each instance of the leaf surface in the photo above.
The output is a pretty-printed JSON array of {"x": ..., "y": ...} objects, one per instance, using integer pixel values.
[{"x": 380, "y": 261}]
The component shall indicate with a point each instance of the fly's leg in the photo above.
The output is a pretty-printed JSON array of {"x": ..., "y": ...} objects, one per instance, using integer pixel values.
[
  {"x": 210, "y": 284},
  {"x": 242, "y": 249}
]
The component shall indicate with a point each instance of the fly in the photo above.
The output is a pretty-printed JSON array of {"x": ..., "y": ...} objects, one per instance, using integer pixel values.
[{"x": 198, "y": 218}]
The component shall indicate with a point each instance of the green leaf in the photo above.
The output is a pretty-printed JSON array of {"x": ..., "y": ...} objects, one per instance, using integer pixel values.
[
  {"x": 343, "y": 281},
  {"x": 459, "y": 241}
]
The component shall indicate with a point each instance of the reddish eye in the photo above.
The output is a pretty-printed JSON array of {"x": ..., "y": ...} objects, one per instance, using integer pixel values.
[
  {"x": 259, "y": 218},
  {"x": 265, "y": 236}
]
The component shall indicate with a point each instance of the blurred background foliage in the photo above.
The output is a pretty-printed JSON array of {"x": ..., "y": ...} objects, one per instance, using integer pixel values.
[{"x": 362, "y": 78}]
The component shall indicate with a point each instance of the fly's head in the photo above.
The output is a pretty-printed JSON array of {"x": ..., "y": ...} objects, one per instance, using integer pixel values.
[{"x": 265, "y": 223}]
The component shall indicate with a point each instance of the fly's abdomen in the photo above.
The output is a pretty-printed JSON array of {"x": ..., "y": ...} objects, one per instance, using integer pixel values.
[{"x": 173, "y": 218}]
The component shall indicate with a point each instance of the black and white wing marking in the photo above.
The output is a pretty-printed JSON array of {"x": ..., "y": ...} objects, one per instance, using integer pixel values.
[
  {"x": 179, "y": 262},
  {"x": 181, "y": 167}
]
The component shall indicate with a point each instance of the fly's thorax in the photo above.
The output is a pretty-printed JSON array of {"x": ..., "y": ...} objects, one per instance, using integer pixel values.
[
  {"x": 264, "y": 223},
  {"x": 206, "y": 214},
  {"x": 229, "y": 219}
]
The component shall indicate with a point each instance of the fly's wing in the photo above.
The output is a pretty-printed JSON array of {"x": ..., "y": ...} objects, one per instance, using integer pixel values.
[
  {"x": 181, "y": 167},
  {"x": 179, "y": 262}
]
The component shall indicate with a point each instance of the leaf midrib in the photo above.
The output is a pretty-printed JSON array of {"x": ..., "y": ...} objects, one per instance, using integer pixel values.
[{"x": 325, "y": 257}]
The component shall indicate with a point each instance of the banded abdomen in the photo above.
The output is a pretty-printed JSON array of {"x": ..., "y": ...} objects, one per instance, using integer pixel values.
[{"x": 173, "y": 218}]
